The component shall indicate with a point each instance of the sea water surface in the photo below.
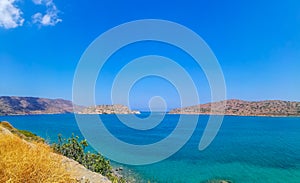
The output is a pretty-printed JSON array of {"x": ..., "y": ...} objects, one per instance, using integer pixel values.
[{"x": 246, "y": 149}]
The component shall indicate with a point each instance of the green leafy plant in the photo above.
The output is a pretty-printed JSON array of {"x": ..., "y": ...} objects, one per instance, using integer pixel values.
[{"x": 75, "y": 149}]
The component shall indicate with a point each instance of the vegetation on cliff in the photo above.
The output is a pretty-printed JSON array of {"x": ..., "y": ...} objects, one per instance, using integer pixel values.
[
  {"x": 75, "y": 149},
  {"x": 21, "y": 161},
  {"x": 23, "y": 134},
  {"x": 25, "y": 157}
]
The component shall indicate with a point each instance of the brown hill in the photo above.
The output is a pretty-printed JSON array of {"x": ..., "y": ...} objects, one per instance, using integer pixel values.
[
  {"x": 33, "y": 105},
  {"x": 245, "y": 108}
]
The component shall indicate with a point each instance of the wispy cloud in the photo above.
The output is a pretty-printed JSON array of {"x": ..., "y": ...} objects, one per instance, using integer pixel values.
[
  {"x": 50, "y": 17},
  {"x": 10, "y": 15}
]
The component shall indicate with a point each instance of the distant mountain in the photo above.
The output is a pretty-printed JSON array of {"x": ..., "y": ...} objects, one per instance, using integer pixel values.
[
  {"x": 245, "y": 108},
  {"x": 33, "y": 105},
  {"x": 107, "y": 109}
]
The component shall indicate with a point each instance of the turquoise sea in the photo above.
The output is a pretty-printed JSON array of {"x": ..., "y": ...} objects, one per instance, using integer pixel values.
[{"x": 246, "y": 149}]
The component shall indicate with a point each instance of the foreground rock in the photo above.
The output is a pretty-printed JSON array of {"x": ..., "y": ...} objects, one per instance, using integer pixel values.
[
  {"x": 245, "y": 108},
  {"x": 218, "y": 181},
  {"x": 82, "y": 174}
]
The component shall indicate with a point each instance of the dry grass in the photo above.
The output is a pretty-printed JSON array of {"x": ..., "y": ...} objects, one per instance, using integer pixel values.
[
  {"x": 7, "y": 125},
  {"x": 21, "y": 161},
  {"x": 23, "y": 134}
]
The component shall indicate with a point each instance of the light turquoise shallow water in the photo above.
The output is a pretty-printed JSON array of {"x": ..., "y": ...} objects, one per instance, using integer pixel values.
[{"x": 246, "y": 149}]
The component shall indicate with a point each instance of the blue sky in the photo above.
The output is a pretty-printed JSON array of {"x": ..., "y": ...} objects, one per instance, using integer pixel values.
[{"x": 257, "y": 44}]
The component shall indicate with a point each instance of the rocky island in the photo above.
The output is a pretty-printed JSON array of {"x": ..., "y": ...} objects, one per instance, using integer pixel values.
[
  {"x": 244, "y": 108},
  {"x": 108, "y": 109}
]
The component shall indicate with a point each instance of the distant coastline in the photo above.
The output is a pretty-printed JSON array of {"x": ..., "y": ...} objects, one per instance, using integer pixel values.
[
  {"x": 13, "y": 105},
  {"x": 234, "y": 107}
]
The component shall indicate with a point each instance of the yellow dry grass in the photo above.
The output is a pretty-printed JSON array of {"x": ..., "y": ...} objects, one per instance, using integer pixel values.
[{"x": 33, "y": 162}]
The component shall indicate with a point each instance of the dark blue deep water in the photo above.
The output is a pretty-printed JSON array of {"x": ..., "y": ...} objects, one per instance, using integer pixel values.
[{"x": 246, "y": 149}]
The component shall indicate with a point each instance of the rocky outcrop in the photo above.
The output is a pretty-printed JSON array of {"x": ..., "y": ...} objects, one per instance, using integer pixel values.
[
  {"x": 34, "y": 105},
  {"x": 82, "y": 174},
  {"x": 244, "y": 108},
  {"x": 108, "y": 109}
]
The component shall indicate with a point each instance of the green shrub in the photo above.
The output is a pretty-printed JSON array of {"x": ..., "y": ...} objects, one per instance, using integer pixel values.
[
  {"x": 31, "y": 136},
  {"x": 74, "y": 149}
]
